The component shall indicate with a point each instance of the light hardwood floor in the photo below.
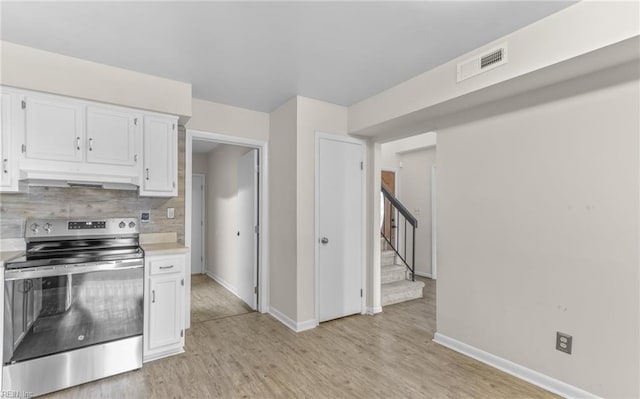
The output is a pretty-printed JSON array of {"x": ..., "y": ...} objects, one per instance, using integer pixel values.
[
  {"x": 211, "y": 301},
  {"x": 252, "y": 355}
]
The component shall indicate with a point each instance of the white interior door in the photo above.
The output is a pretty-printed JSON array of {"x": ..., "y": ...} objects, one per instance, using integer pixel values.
[
  {"x": 247, "y": 228},
  {"x": 339, "y": 228},
  {"x": 197, "y": 224}
]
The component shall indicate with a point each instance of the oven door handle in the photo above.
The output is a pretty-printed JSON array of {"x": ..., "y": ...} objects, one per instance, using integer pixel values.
[{"x": 65, "y": 270}]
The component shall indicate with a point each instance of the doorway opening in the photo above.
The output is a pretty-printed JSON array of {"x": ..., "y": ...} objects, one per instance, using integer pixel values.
[
  {"x": 407, "y": 219},
  {"x": 223, "y": 218}
]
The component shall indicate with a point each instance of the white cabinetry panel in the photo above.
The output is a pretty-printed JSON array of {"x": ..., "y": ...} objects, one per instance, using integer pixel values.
[
  {"x": 160, "y": 172},
  {"x": 164, "y": 305},
  {"x": 54, "y": 129},
  {"x": 8, "y": 152},
  {"x": 111, "y": 136},
  {"x": 165, "y": 321}
]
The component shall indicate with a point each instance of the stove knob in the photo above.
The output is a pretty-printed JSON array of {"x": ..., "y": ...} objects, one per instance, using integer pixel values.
[
  {"x": 35, "y": 227},
  {"x": 47, "y": 227},
  {"x": 132, "y": 224},
  {"x": 122, "y": 225}
]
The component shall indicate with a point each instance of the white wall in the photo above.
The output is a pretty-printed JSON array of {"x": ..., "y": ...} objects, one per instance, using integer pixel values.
[
  {"x": 538, "y": 231},
  {"x": 222, "y": 214},
  {"x": 414, "y": 178},
  {"x": 391, "y": 149},
  {"x": 292, "y": 170},
  {"x": 312, "y": 116},
  {"x": 200, "y": 163},
  {"x": 574, "y": 31},
  {"x": 34, "y": 69},
  {"x": 282, "y": 209},
  {"x": 226, "y": 119}
]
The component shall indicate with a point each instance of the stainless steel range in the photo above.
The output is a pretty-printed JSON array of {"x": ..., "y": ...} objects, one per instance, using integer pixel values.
[{"x": 73, "y": 305}]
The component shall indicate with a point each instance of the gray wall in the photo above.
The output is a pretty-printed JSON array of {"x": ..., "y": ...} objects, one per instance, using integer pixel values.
[
  {"x": 538, "y": 212},
  {"x": 53, "y": 202}
]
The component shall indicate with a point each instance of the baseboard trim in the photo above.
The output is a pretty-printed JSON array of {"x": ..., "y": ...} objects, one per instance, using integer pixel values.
[
  {"x": 223, "y": 283},
  {"x": 543, "y": 381},
  {"x": 293, "y": 325},
  {"x": 374, "y": 309},
  {"x": 427, "y": 275},
  {"x": 306, "y": 325}
]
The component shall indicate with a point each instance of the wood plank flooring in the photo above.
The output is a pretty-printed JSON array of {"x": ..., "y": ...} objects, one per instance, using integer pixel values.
[
  {"x": 252, "y": 355},
  {"x": 211, "y": 301}
]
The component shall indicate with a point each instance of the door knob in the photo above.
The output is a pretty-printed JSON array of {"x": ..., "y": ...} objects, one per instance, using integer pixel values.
[{"x": 324, "y": 240}]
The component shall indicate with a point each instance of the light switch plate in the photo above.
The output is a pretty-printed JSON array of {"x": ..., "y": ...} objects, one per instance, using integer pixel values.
[{"x": 171, "y": 213}]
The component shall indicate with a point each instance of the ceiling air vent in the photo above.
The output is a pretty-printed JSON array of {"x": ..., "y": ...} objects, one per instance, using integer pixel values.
[{"x": 481, "y": 63}]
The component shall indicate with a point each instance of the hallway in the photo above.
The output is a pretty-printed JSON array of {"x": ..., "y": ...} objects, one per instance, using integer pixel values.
[{"x": 211, "y": 301}]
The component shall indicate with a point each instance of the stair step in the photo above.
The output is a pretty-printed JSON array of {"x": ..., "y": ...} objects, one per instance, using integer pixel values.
[
  {"x": 401, "y": 291},
  {"x": 387, "y": 258},
  {"x": 391, "y": 273}
]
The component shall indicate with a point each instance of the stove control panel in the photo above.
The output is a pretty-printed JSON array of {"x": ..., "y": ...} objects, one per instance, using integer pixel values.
[
  {"x": 50, "y": 228},
  {"x": 86, "y": 225}
]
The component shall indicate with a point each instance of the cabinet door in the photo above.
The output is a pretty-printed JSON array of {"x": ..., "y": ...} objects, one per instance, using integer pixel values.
[
  {"x": 160, "y": 157},
  {"x": 5, "y": 140},
  {"x": 54, "y": 129},
  {"x": 165, "y": 311},
  {"x": 111, "y": 136}
]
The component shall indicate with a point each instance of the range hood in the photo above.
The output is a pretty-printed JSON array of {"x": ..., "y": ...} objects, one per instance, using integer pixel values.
[
  {"x": 78, "y": 180},
  {"x": 78, "y": 184}
]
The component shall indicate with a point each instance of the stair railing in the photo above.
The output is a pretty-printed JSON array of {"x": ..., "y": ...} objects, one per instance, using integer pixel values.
[{"x": 394, "y": 215}]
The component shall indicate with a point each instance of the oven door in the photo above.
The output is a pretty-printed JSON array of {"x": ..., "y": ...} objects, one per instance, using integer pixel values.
[{"x": 49, "y": 310}]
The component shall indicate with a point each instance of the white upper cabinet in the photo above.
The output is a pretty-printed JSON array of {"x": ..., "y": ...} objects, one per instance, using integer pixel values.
[
  {"x": 112, "y": 136},
  {"x": 160, "y": 169},
  {"x": 60, "y": 141},
  {"x": 54, "y": 129},
  {"x": 8, "y": 152}
]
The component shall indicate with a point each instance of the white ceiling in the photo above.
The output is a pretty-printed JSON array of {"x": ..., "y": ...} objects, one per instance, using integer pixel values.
[
  {"x": 203, "y": 147},
  {"x": 259, "y": 54}
]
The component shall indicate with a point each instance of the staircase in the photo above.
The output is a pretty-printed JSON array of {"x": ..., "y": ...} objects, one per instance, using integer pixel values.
[
  {"x": 397, "y": 285},
  {"x": 398, "y": 252}
]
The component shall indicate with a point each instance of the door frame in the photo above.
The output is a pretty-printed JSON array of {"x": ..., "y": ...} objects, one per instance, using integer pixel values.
[
  {"x": 263, "y": 206},
  {"x": 204, "y": 218},
  {"x": 434, "y": 226},
  {"x": 319, "y": 135}
]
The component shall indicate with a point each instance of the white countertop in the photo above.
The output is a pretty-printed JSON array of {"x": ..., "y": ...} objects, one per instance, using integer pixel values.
[
  {"x": 164, "y": 248},
  {"x": 6, "y": 255},
  {"x": 161, "y": 244}
]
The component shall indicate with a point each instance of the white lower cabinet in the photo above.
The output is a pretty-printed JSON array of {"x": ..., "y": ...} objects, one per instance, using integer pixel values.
[{"x": 164, "y": 306}]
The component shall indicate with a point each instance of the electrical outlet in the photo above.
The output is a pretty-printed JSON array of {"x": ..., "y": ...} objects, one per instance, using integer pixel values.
[
  {"x": 563, "y": 342},
  {"x": 171, "y": 213},
  {"x": 145, "y": 216}
]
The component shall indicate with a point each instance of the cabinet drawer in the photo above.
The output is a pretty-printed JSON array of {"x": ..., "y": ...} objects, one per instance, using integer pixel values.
[{"x": 166, "y": 265}]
